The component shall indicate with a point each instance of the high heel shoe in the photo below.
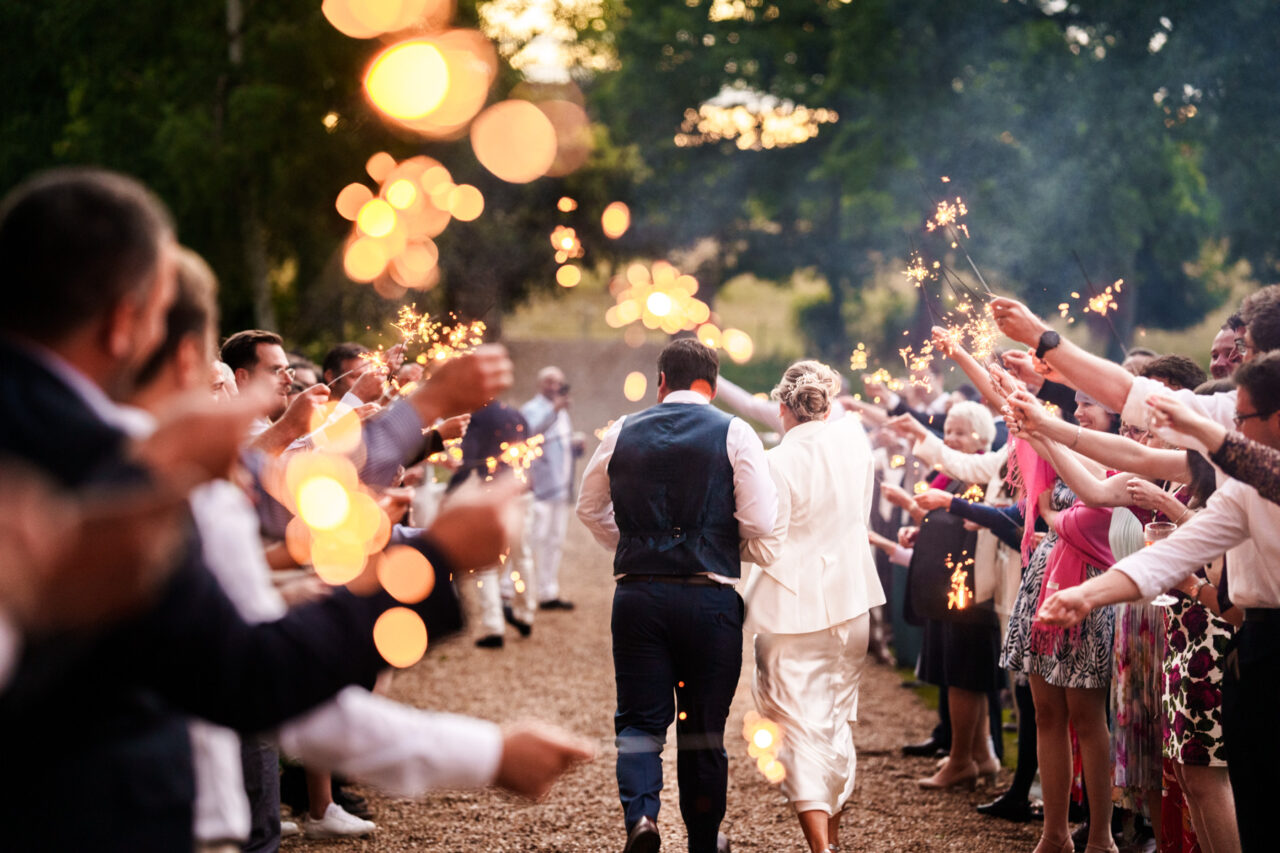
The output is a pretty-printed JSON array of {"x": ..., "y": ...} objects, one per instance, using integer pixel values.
[
  {"x": 938, "y": 781},
  {"x": 1066, "y": 847},
  {"x": 989, "y": 770},
  {"x": 1094, "y": 848}
]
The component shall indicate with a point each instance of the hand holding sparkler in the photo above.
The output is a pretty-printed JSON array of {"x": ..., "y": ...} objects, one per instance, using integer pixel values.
[
  {"x": 1026, "y": 367},
  {"x": 908, "y": 427},
  {"x": 944, "y": 341},
  {"x": 1016, "y": 321},
  {"x": 455, "y": 427},
  {"x": 1178, "y": 424},
  {"x": 463, "y": 384},
  {"x": 934, "y": 499},
  {"x": 1025, "y": 414},
  {"x": 369, "y": 384}
]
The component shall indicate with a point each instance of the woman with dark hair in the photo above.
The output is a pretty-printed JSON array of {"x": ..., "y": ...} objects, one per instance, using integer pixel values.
[{"x": 1069, "y": 672}]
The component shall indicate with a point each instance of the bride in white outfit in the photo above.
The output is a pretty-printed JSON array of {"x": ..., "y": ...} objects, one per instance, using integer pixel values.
[{"x": 808, "y": 597}]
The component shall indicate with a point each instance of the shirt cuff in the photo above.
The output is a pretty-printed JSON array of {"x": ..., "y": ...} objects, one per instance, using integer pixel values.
[
  {"x": 10, "y": 648},
  {"x": 1136, "y": 411}
]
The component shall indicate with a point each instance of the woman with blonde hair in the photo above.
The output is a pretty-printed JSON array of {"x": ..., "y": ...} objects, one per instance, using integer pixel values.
[{"x": 809, "y": 595}]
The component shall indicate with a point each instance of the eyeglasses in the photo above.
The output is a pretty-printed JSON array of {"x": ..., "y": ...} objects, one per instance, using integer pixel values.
[
  {"x": 1240, "y": 419},
  {"x": 281, "y": 371},
  {"x": 1243, "y": 347}
]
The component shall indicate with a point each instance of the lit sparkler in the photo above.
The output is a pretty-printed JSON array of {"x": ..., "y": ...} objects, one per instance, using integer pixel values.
[
  {"x": 858, "y": 361},
  {"x": 441, "y": 341},
  {"x": 974, "y": 494},
  {"x": 958, "y": 596},
  {"x": 518, "y": 456}
]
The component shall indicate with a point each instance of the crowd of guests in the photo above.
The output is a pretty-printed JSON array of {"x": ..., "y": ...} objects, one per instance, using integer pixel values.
[
  {"x": 1095, "y": 540},
  {"x": 1110, "y": 527},
  {"x": 1091, "y": 542},
  {"x": 153, "y": 663}
]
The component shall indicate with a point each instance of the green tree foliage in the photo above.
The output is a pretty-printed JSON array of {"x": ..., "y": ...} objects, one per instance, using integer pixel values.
[{"x": 1045, "y": 120}]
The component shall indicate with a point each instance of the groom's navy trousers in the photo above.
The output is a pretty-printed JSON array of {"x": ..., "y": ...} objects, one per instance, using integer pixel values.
[{"x": 677, "y": 655}]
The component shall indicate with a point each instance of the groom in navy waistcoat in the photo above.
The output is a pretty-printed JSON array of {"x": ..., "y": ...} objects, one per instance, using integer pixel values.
[{"x": 674, "y": 489}]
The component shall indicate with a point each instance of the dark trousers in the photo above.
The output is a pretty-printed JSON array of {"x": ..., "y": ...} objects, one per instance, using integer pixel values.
[
  {"x": 1250, "y": 710},
  {"x": 261, "y": 765},
  {"x": 677, "y": 655}
]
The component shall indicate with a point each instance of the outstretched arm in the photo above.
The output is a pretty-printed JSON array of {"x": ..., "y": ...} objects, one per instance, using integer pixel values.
[
  {"x": 1113, "y": 451},
  {"x": 1088, "y": 485},
  {"x": 978, "y": 375},
  {"x": 1104, "y": 381}
]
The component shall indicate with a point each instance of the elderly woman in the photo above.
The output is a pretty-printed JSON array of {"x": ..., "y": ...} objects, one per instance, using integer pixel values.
[
  {"x": 960, "y": 656},
  {"x": 808, "y": 597}
]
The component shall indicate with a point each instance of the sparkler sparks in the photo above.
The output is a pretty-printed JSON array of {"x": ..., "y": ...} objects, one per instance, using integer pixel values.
[
  {"x": 858, "y": 361},
  {"x": 958, "y": 596},
  {"x": 948, "y": 215},
  {"x": 973, "y": 494},
  {"x": 441, "y": 341},
  {"x": 518, "y": 456}
]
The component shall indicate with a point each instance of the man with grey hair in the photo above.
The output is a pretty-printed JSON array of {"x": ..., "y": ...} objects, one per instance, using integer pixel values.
[{"x": 552, "y": 478}]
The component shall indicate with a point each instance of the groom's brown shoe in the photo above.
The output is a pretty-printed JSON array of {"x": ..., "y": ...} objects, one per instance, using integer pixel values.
[{"x": 643, "y": 837}]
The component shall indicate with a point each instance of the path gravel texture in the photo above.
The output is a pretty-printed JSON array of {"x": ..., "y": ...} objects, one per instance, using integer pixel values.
[{"x": 563, "y": 673}]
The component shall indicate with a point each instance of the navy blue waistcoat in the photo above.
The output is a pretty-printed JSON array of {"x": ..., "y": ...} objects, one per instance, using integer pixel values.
[{"x": 672, "y": 489}]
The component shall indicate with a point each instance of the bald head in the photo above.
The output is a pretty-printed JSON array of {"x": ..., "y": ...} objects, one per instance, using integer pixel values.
[{"x": 550, "y": 381}]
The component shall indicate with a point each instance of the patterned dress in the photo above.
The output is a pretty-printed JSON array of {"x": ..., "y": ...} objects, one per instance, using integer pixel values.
[
  {"x": 1197, "y": 644},
  {"x": 1136, "y": 693},
  {"x": 1085, "y": 663}
]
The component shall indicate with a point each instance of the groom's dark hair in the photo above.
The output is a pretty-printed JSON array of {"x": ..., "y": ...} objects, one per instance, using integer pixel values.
[{"x": 686, "y": 360}]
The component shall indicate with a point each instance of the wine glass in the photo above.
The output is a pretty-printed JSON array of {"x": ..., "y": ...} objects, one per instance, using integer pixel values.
[{"x": 1152, "y": 533}]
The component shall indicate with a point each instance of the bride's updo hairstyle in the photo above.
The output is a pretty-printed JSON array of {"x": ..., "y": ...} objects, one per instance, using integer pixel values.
[{"x": 807, "y": 389}]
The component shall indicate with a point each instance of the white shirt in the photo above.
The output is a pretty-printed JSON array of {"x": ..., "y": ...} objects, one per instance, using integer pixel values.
[
  {"x": 755, "y": 497},
  {"x": 1220, "y": 407},
  {"x": 1238, "y": 521},
  {"x": 10, "y": 648},
  {"x": 399, "y": 749}
]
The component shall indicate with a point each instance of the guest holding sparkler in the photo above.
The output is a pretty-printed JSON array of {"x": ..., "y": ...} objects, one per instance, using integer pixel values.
[
  {"x": 1069, "y": 673},
  {"x": 809, "y": 595}
]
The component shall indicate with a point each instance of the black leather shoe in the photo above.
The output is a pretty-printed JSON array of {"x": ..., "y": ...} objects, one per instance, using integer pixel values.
[
  {"x": 556, "y": 604},
  {"x": 927, "y": 748},
  {"x": 722, "y": 843},
  {"x": 493, "y": 641},
  {"x": 524, "y": 628},
  {"x": 643, "y": 837},
  {"x": 1009, "y": 807}
]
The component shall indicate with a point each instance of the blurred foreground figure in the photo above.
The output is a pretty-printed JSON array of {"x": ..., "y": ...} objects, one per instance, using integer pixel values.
[{"x": 95, "y": 721}]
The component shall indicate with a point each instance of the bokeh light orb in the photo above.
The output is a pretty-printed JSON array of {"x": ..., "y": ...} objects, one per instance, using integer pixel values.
[
  {"x": 376, "y": 218},
  {"x": 351, "y": 199},
  {"x": 323, "y": 502},
  {"x": 408, "y": 80},
  {"x": 400, "y": 636},
  {"x": 568, "y": 276},
  {"x": 466, "y": 203},
  {"x": 406, "y": 575},
  {"x": 364, "y": 260},
  {"x": 615, "y": 220},
  {"x": 514, "y": 140},
  {"x": 634, "y": 386}
]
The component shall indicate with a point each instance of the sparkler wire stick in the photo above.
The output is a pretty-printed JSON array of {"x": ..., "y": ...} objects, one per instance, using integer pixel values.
[
  {"x": 955, "y": 238},
  {"x": 1093, "y": 293}
]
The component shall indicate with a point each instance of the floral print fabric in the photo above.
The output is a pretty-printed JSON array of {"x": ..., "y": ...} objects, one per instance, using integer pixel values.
[{"x": 1196, "y": 646}]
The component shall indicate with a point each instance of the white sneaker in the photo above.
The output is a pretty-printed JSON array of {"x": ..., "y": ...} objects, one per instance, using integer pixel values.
[
  {"x": 337, "y": 823},
  {"x": 288, "y": 829}
]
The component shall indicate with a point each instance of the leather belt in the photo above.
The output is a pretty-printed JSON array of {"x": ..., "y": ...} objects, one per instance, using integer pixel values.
[{"x": 683, "y": 580}]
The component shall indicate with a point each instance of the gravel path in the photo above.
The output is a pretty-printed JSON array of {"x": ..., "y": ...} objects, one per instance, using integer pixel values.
[{"x": 563, "y": 674}]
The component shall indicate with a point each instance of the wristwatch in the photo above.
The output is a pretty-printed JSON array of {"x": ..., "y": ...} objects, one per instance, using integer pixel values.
[{"x": 1048, "y": 341}]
